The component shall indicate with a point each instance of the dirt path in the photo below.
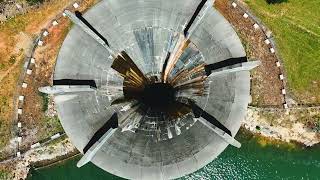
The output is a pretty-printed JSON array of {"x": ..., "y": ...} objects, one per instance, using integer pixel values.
[{"x": 266, "y": 84}]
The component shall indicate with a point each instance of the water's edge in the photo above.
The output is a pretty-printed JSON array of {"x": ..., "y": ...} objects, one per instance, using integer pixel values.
[{"x": 252, "y": 161}]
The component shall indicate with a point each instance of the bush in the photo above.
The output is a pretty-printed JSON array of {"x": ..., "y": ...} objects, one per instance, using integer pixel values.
[
  {"x": 317, "y": 125},
  {"x": 4, "y": 175},
  {"x": 33, "y": 2},
  {"x": 12, "y": 60},
  {"x": 45, "y": 101},
  {"x": 276, "y": 1}
]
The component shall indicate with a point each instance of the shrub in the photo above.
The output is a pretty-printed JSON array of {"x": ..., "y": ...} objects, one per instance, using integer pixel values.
[
  {"x": 33, "y": 2},
  {"x": 45, "y": 101},
  {"x": 317, "y": 125},
  {"x": 12, "y": 60},
  {"x": 276, "y": 1}
]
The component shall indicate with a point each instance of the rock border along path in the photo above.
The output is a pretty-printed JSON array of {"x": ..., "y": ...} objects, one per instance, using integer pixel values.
[
  {"x": 29, "y": 65},
  {"x": 29, "y": 61},
  {"x": 269, "y": 40},
  {"x": 269, "y": 131}
]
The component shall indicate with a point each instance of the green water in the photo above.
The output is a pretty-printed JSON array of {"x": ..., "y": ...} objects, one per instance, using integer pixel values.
[{"x": 251, "y": 161}]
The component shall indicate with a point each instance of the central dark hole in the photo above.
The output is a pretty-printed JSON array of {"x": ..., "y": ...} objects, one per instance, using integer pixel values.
[{"x": 158, "y": 96}]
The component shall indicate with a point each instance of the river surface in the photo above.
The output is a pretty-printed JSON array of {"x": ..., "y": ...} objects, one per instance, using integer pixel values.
[{"x": 251, "y": 161}]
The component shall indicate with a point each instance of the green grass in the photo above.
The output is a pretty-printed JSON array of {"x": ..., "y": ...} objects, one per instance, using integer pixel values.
[
  {"x": 317, "y": 124},
  {"x": 4, "y": 126},
  {"x": 4, "y": 175},
  {"x": 296, "y": 27},
  {"x": 4, "y": 134},
  {"x": 45, "y": 101},
  {"x": 50, "y": 126}
]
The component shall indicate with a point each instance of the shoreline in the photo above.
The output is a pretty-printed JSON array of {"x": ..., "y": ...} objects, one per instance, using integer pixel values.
[
  {"x": 297, "y": 132},
  {"x": 48, "y": 153},
  {"x": 57, "y": 160},
  {"x": 61, "y": 151}
]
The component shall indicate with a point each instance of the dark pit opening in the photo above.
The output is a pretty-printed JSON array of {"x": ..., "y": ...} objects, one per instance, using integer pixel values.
[{"x": 158, "y": 96}]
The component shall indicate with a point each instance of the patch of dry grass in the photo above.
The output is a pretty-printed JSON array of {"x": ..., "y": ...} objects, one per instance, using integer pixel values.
[
  {"x": 7, "y": 90},
  {"x": 31, "y": 24}
]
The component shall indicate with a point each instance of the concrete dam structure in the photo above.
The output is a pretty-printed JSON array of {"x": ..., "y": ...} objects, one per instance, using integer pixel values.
[{"x": 151, "y": 89}]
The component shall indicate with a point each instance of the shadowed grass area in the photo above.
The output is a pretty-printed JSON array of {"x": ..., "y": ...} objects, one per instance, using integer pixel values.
[
  {"x": 45, "y": 101},
  {"x": 275, "y": 1},
  {"x": 296, "y": 27}
]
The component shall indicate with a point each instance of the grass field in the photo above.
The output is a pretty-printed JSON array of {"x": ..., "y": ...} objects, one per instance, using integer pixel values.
[{"x": 296, "y": 27}]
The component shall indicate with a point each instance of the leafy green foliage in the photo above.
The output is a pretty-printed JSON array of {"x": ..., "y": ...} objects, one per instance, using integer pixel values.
[
  {"x": 317, "y": 124},
  {"x": 4, "y": 175},
  {"x": 33, "y": 2},
  {"x": 45, "y": 101},
  {"x": 276, "y": 1},
  {"x": 50, "y": 126},
  {"x": 12, "y": 60}
]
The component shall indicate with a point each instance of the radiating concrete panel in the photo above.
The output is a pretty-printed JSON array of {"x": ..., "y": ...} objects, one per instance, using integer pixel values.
[{"x": 147, "y": 30}]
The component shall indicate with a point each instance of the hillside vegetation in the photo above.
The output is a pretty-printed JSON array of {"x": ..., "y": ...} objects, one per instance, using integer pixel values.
[{"x": 16, "y": 36}]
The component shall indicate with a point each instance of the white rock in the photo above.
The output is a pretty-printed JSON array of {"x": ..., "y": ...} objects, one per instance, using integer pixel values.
[
  {"x": 19, "y": 111},
  {"x": 54, "y": 23},
  {"x": 169, "y": 133},
  {"x": 40, "y": 43},
  {"x": 45, "y": 33},
  {"x": 24, "y": 85},
  {"x": 272, "y": 50},
  {"x": 29, "y": 71},
  {"x": 267, "y": 41},
  {"x": 283, "y": 91},
  {"x": 75, "y": 5},
  {"x": 19, "y": 139},
  {"x": 281, "y": 77},
  {"x": 234, "y": 4},
  {"x": 18, "y": 154},
  {"x": 250, "y": 99},
  {"x": 35, "y": 145},
  {"x": 19, "y": 125},
  {"x": 32, "y": 61},
  {"x": 245, "y": 15},
  {"x": 268, "y": 34},
  {"x": 55, "y": 136},
  {"x": 278, "y": 64},
  {"x": 21, "y": 98},
  {"x": 255, "y": 26}
]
